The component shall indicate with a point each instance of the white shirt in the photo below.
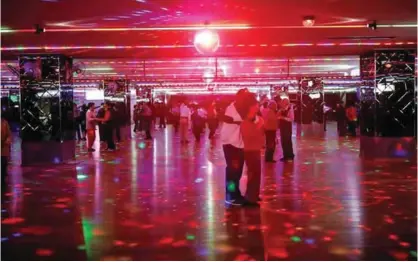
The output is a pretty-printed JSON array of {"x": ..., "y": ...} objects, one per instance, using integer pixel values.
[
  {"x": 184, "y": 111},
  {"x": 231, "y": 133}
]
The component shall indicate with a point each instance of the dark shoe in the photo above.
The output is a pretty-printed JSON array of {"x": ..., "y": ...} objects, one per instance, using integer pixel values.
[{"x": 235, "y": 202}]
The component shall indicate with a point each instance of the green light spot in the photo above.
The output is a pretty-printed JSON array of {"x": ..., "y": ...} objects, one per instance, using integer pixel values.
[
  {"x": 81, "y": 177},
  {"x": 413, "y": 253},
  {"x": 190, "y": 237},
  {"x": 295, "y": 239},
  {"x": 319, "y": 162},
  {"x": 231, "y": 187},
  {"x": 81, "y": 247}
]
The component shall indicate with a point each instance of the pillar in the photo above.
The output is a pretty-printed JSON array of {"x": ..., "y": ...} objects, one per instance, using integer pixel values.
[
  {"x": 388, "y": 104},
  {"x": 46, "y": 116}
]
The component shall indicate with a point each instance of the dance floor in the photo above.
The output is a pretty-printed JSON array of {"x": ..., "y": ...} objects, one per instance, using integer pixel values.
[{"x": 161, "y": 200}]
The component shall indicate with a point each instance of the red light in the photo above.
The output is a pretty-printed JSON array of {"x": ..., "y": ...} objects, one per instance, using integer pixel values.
[{"x": 206, "y": 42}]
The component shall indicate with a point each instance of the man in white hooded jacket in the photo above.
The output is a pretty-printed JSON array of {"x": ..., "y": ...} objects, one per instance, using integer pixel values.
[{"x": 233, "y": 147}]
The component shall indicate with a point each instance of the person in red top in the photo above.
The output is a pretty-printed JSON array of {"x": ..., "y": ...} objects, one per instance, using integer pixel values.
[
  {"x": 271, "y": 125},
  {"x": 351, "y": 114},
  {"x": 253, "y": 137}
]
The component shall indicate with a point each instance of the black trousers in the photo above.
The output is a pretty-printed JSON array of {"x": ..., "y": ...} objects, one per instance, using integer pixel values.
[
  {"x": 352, "y": 128},
  {"x": 286, "y": 139},
  {"x": 234, "y": 165},
  {"x": 4, "y": 164},
  {"x": 108, "y": 136},
  {"x": 176, "y": 123},
  {"x": 117, "y": 132},
  {"x": 162, "y": 122},
  {"x": 147, "y": 123},
  {"x": 212, "y": 125},
  {"x": 253, "y": 162},
  {"x": 270, "y": 144},
  {"x": 341, "y": 127},
  {"x": 197, "y": 131},
  {"x": 78, "y": 129}
]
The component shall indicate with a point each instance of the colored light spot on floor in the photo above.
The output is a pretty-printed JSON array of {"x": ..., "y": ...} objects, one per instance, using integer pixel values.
[
  {"x": 78, "y": 168},
  {"x": 4, "y": 239},
  {"x": 413, "y": 253},
  {"x": 17, "y": 235},
  {"x": 166, "y": 241},
  {"x": 319, "y": 162},
  {"x": 404, "y": 244},
  {"x": 118, "y": 243},
  {"x": 190, "y": 237},
  {"x": 295, "y": 239},
  {"x": 82, "y": 177},
  {"x": 142, "y": 145},
  {"x": 278, "y": 253},
  {"x": 198, "y": 180},
  {"x": 231, "y": 187},
  {"x": 43, "y": 252},
  {"x": 327, "y": 238},
  {"x": 81, "y": 247},
  {"x": 309, "y": 241},
  {"x": 12, "y": 220}
]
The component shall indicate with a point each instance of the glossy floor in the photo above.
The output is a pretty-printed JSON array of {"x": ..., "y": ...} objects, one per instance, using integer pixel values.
[{"x": 161, "y": 200}]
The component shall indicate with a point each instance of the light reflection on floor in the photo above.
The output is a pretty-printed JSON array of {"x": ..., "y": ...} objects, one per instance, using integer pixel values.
[{"x": 160, "y": 200}]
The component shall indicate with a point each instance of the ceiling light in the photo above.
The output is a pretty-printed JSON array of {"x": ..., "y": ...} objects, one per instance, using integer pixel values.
[
  {"x": 206, "y": 42},
  {"x": 308, "y": 21}
]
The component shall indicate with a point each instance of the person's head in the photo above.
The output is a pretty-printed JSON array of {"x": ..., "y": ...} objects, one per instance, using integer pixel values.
[
  {"x": 272, "y": 105},
  {"x": 285, "y": 102},
  {"x": 250, "y": 103},
  {"x": 91, "y": 106},
  {"x": 265, "y": 104},
  {"x": 107, "y": 106}
]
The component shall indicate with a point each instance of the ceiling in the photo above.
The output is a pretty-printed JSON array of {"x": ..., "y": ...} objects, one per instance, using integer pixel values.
[{"x": 165, "y": 28}]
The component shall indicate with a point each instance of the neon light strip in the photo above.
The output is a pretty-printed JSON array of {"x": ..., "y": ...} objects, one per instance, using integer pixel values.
[
  {"x": 23, "y": 48},
  {"x": 26, "y": 48},
  {"x": 195, "y": 28}
]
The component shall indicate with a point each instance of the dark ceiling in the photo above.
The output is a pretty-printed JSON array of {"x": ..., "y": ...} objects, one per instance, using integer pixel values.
[{"x": 274, "y": 25}]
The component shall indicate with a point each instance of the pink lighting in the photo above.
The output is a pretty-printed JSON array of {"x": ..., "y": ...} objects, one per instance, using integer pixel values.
[{"x": 206, "y": 42}]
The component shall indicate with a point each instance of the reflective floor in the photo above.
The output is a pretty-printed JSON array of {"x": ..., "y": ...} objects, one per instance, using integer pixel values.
[{"x": 160, "y": 200}]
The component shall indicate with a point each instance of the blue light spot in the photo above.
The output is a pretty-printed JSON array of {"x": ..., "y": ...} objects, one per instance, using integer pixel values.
[
  {"x": 66, "y": 211},
  {"x": 198, "y": 180},
  {"x": 17, "y": 234},
  {"x": 56, "y": 160},
  {"x": 4, "y": 239},
  {"x": 78, "y": 168},
  {"x": 116, "y": 179},
  {"x": 309, "y": 241}
]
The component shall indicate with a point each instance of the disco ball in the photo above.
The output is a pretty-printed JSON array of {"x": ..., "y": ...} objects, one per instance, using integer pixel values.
[{"x": 206, "y": 42}]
